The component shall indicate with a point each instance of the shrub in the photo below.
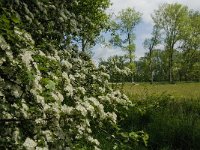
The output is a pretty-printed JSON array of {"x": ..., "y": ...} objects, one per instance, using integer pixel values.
[{"x": 52, "y": 96}]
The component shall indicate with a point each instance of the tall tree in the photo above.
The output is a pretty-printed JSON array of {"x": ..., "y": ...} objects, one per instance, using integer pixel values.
[
  {"x": 190, "y": 32},
  {"x": 93, "y": 19},
  {"x": 190, "y": 44},
  {"x": 150, "y": 44},
  {"x": 170, "y": 18},
  {"x": 123, "y": 36}
]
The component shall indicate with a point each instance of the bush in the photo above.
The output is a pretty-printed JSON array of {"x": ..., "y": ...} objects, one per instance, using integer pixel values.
[{"x": 52, "y": 96}]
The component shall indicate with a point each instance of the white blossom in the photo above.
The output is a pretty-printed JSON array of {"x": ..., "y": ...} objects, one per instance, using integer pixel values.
[
  {"x": 89, "y": 107},
  {"x": 96, "y": 148},
  {"x": 7, "y": 115},
  {"x": 82, "y": 90},
  {"x": 29, "y": 144},
  {"x": 2, "y": 60},
  {"x": 4, "y": 45},
  {"x": 67, "y": 109},
  {"x": 9, "y": 54},
  {"x": 24, "y": 110},
  {"x": 66, "y": 77},
  {"x": 36, "y": 83},
  {"x": 24, "y": 106},
  {"x": 16, "y": 135},
  {"x": 69, "y": 89},
  {"x": 71, "y": 77},
  {"x": 107, "y": 76},
  {"x": 27, "y": 58},
  {"x": 15, "y": 106},
  {"x": 92, "y": 140},
  {"x": 57, "y": 96},
  {"x": 41, "y": 148},
  {"x": 16, "y": 93},
  {"x": 77, "y": 60},
  {"x": 46, "y": 107},
  {"x": 48, "y": 135},
  {"x": 28, "y": 38},
  {"x": 112, "y": 116},
  {"x": 40, "y": 99},
  {"x": 82, "y": 109},
  {"x": 40, "y": 121},
  {"x": 102, "y": 90},
  {"x": 66, "y": 64},
  {"x": 41, "y": 53}
]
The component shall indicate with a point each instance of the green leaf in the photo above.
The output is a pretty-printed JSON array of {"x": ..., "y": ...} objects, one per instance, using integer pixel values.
[
  {"x": 50, "y": 85},
  {"x": 15, "y": 19},
  {"x": 133, "y": 135}
]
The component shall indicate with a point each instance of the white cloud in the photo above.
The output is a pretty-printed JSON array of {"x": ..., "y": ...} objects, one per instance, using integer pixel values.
[
  {"x": 146, "y": 7},
  {"x": 105, "y": 52}
]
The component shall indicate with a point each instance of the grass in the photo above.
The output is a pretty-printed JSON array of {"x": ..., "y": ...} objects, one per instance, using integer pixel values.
[
  {"x": 169, "y": 113},
  {"x": 178, "y": 90}
]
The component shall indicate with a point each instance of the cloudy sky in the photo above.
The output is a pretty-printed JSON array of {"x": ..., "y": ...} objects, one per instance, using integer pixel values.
[{"x": 143, "y": 30}]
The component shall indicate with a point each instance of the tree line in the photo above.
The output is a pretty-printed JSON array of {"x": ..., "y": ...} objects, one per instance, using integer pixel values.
[{"x": 173, "y": 48}]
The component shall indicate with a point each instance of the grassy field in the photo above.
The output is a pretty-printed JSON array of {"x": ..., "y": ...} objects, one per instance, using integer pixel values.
[
  {"x": 178, "y": 90},
  {"x": 168, "y": 113}
]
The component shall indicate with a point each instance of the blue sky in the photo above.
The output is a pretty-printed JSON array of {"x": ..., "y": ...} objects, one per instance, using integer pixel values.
[{"x": 144, "y": 29}]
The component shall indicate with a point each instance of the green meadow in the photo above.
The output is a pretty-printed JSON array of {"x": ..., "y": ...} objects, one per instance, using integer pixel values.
[
  {"x": 168, "y": 113},
  {"x": 178, "y": 90}
]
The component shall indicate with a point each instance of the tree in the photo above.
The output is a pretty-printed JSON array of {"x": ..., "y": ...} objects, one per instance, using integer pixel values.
[
  {"x": 190, "y": 45},
  {"x": 92, "y": 20},
  {"x": 73, "y": 20},
  {"x": 170, "y": 18},
  {"x": 190, "y": 32},
  {"x": 158, "y": 65},
  {"x": 122, "y": 32},
  {"x": 150, "y": 44}
]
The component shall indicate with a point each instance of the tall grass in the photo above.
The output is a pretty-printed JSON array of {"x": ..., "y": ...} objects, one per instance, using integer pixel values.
[
  {"x": 178, "y": 90},
  {"x": 170, "y": 114}
]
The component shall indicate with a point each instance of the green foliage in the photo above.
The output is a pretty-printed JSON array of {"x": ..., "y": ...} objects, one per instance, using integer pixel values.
[
  {"x": 167, "y": 126},
  {"x": 93, "y": 20},
  {"x": 175, "y": 23},
  {"x": 150, "y": 44},
  {"x": 156, "y": 113},
  {"x": 73, "y": 19},
  {"x": 122, "y": 35},
  {"x": 117, "y": 68},
  {"x": 185, "y": 66}
]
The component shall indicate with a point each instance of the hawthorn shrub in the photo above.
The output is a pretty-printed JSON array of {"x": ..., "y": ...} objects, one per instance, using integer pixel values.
[
  {"x": 50, "y": 99},
  {"x": 52, "y": 96}
]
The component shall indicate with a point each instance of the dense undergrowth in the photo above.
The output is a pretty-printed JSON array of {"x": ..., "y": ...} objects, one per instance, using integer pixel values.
[{"x": 171, "y": 123}]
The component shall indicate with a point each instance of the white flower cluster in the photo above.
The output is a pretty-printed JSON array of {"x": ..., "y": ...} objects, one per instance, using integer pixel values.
[
  {"x": 27, "y": 58},
  {"x": 4, "y": 45},
  {"x": 66, "y": 64},
  {"x": 24, "y": 36},
  {"x": 29, "y": 144}
]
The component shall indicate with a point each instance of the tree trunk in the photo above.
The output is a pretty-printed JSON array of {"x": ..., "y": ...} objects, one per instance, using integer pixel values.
[
  {"x": 130, "y": 52},
  {"x": 150, "y": 67},
  {"x": 171, "y": 66},
  {"x": 83, "y": 45}
]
